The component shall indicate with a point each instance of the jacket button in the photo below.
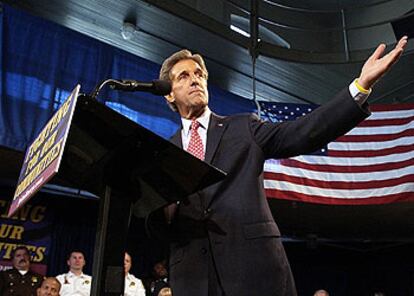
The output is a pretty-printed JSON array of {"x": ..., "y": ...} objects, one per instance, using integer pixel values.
[
  {"x": 207, "y": 211},
  {"x": 203, "y": 251}
]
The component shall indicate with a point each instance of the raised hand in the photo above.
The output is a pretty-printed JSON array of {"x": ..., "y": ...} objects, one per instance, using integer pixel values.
[{"x": 377, "y": 65}]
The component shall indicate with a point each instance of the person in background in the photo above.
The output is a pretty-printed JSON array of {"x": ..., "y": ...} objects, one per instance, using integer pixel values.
[
  {"x": 133, "y": 286},
  {"x": 165, "y": 292},
  {"x": 20, "y": 280},
  {"x": 321, "y": 293},
  {"x": 75, "y": 282},
  {"x": 160, "y": 280},
  {"x": 50, "y": 287}
]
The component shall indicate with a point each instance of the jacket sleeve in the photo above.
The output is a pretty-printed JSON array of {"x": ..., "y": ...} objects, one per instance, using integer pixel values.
[
  {"x": 310, "y": 132},
  {"x": 2, "y": 282}
]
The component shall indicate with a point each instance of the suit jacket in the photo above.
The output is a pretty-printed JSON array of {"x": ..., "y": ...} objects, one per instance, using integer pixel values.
[
  {"x": 12, "y": 282},
  {"x": 231, "y": 219}
]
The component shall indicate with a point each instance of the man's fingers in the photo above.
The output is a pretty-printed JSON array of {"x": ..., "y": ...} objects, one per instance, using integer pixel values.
[
  {"x": 402, "y": 42},
  {"x": 378, "y": 52},
  {"x": 395, "y": 54}
]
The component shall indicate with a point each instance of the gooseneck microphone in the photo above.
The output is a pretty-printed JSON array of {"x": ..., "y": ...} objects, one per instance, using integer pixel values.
[{"x": 157, "y": 87}]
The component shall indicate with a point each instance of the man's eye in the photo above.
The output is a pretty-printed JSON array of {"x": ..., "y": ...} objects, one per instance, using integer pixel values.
[{"x": 182, "y": 76}]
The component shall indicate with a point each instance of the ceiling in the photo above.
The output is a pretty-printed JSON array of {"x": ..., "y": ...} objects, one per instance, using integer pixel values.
[{"x": 328, "y": 40}]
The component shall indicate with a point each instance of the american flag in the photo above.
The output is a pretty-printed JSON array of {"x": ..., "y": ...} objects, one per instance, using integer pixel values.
[{"x": 371, "y": 164}]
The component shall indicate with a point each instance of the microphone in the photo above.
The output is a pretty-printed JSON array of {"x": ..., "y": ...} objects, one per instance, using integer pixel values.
[{"x": 157, "y": 87}]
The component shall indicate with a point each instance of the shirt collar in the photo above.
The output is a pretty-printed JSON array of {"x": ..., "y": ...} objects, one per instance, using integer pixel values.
[
  {"x": 71, "y": 274},
  {"x": 22, "y": 272},
  {"x": 204, "y": 119}
]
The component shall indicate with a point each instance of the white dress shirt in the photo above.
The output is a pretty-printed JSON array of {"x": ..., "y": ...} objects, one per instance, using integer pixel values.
[
  {"x": 133, "y": 286},
  {"x": 202, "y": 129},
  {"x": 73, "y": 285}
]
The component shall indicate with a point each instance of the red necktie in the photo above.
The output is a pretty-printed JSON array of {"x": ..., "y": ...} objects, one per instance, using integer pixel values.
[{"x": 195, "y": 146}]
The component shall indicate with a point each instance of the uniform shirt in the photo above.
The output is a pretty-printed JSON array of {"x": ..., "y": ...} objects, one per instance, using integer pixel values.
[
  {"x": 14, "y": 283},
  {"x": 133, "y": 286},
  {"x": 73, "y": 285}
]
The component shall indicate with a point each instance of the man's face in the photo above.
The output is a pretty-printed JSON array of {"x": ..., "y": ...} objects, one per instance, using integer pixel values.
[
  {"x": 127, "y": 263},
  {"x": 189, "y": 88},
  {"x": 50, "y": 287},
  {"x": 76, "y": 261},
  {"x": 160, "y": 270},
  {"x": 21, "y": 260}
]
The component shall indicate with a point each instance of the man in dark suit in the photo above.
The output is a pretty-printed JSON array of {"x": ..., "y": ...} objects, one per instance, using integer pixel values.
[
  {"x": 20, "y": 280},
  {"x": 224, "y": 240}
]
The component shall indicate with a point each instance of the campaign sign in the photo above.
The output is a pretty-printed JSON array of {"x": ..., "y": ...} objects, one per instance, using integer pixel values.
[{"x": 43, "y": 156}]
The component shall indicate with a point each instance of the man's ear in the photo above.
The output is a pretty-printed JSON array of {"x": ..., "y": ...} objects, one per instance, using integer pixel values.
[{"x": 170, "y": 98}]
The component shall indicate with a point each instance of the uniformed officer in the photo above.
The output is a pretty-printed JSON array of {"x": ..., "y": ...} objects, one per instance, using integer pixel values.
[
  {"x": 133, "y": 286},
  {"x": 75, "y": 282},
  {"x": 20, "y": 280}
]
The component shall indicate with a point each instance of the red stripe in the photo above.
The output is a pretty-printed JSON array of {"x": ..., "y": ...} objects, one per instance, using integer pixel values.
[
  {"x": 398, "y": 197},
  {"x": 392, "y": 107},
  {"x": 375, "y": 137},
  {"x": 339, "y": 184},
  {"x": 370, "y": 153},
  {"x": 347, "y": 168},
  {"x": 384, "y": 122}
]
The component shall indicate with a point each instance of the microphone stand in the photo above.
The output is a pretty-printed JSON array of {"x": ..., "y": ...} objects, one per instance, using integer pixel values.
[{"x": 111, "y": 82}]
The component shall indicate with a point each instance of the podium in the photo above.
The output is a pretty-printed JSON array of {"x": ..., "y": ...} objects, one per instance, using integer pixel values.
[{"x": 122, "y": 162}]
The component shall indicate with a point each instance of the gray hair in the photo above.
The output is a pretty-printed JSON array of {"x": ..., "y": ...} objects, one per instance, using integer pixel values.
[{"x": 168, "y": 64}]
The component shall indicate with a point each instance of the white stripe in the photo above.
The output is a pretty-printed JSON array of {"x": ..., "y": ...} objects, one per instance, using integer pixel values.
[
  {"x": 391, "y": 114},
  {"x": 358, "y": 146},
  {"x": 338, "y": 193},
  {"x": 380, "y": 130},
  {"x": 342, "y": 177},
  {"x": 347, "y": 161}
]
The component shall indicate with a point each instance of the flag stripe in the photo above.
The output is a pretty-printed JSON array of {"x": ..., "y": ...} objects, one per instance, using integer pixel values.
[
  {"x": 371, "y": 153},
  {"x": 380, "y": 130},
  {"x": 389, "y": 122},
  {"x": 338, "y": 193},
  {"x": 340, "y": 184},
  {"x": 348, "y": 169},
  {"x": 382, "y": 199},
  {"x": 376, "y": 137},
  {"x": 343, "y": 175},
  {"x": 399, "y": 107},
  {"x": 371, "y": 145}
]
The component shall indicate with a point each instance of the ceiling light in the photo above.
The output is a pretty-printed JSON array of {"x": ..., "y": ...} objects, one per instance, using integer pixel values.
[{"x": 128, "y": 30}]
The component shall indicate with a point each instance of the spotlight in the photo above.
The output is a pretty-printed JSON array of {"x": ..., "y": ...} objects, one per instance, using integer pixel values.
[{"x": 128, "y": 30}]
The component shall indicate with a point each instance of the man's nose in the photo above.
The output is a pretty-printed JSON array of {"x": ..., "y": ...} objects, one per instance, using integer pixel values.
[{"x": 194, "y": 79}]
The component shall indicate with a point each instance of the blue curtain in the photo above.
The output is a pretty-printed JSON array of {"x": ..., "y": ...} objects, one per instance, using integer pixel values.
[{"x": 41, "y": 62}]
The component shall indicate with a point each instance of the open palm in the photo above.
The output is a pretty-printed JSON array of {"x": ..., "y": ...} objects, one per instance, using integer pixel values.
[{"x": 377, "y": 65}]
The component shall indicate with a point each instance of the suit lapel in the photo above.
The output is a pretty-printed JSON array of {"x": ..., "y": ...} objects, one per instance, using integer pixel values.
[
  {"x": 215, "y": 131},
  {"x": 176, "y": 139},
  {"x": 216, "y": 128}
]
